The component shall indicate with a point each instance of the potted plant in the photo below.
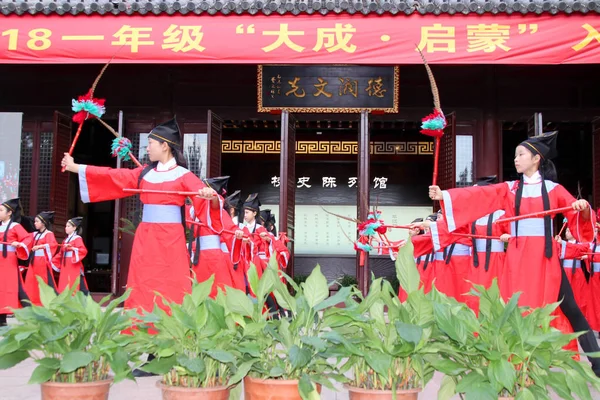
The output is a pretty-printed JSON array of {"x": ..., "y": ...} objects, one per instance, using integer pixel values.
[
  {"x": 389, "y": 356},
  {"x": 515, "y": 354},
  {"x": 194, "y": 344},
  {"x": 288, "y": 352},
  {"x": 74, "y": 342}
]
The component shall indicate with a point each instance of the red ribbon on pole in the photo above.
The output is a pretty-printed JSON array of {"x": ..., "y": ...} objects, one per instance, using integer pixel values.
[{"x": 152, "y": 191}]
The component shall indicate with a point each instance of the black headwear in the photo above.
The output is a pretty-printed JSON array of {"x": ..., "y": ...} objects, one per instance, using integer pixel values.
[
  {"x": 416, "y": 220},
  {"x": 234, "y": 200},
  {"x": 47, "y": 218},
  {"x": 432, "y": 217},
  {"x": 13, "y": 205},
  {"x": 252, "y": 202},
  {"x": 484, "y": 181},
  {"x": 219, "y": 184},
  {"x": 545, "y": 146},
  {"x": 76, "y": 221},
  {"x": 167, "y": 132}
]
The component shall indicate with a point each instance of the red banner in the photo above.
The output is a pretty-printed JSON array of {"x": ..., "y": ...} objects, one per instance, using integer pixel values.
[{"x": 306, "y": 39}]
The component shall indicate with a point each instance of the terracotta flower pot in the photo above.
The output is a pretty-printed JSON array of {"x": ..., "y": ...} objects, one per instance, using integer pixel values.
[
  {"x": 76, "y": 391},
  {"x": 272, "y": 389},
  {"x": 506, "y": 398},
  {"x": 368, "y": 394},
  {"x": 183, "y": 393}
]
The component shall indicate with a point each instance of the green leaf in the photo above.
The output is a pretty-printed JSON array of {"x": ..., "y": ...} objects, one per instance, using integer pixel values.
[
  {"x": 201, "y": 291},
  {"x": 75, "y": 360},
  {"x": 447, "y": 388},
  {"x": 380, "y": 362},
  {"x": 316, "y": 342},
  {"x": 48, "y": 362},
  {"x": 266, "y": 284},
  {"x": 241, "y": 372},
  {"x": 447, "y": 366},
  {"x": 578, "y": 384},
  {"x": 307, "y": 389},
  {"x": 525, "y": 394},
  {"x": 239, "y": 302},
  {"x": 253, "y": 278},
  {"x": 182, "y": 317},
  {"x": 343, "y": 295},
  {"x": 194, "y": 365},
  {"x": 221, "y": 356},
  {"x": 558, "y": 382},
  {"x": 315, "y": 288},
  {"x": 406, "y": 268},
  {"x": 11, "y": 359},
  {"x": 481, "y": 391},
  {"x": 47, "y": 294},
  {"x": 41, "y": 374},
  {"x": 409, "y": 332},
  {"x": 276, "y": 372},
  {"x": 504, "y": 373},
  {"x": 160, "y": 366},
  {"x": 299, "y": 357}
]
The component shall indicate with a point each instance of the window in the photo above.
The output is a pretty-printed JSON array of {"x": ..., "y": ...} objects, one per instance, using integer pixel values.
[{"x": 464, "y": 160}]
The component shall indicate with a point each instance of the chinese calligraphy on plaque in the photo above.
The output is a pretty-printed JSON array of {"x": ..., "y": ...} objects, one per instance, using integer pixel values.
[{"x": 327, "y": 88}]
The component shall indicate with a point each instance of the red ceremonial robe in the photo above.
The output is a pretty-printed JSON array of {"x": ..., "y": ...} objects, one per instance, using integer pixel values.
[
  {"x": 526, "y": 267},
  {"x": 40, "y": 264},
  {"x": 425, "y": 259},
  {"x": 68, "y": 260},
  {"x": 10, "y": 276},
  {"x": 211, "y": 258},
  {"x": 574, "y": 273},
  {"x": 159, "y": 258},
  {"x": 593, "y": 307}
]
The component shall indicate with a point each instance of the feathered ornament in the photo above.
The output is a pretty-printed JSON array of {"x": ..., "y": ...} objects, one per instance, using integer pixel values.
[
  {"x": 433, "y": 124},
  {"x": 121, "y": 147},
  {"x": 87, "y": 107}
]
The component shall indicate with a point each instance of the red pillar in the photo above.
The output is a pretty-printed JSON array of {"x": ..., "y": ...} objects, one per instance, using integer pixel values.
[{"x": 488, "y": 144}]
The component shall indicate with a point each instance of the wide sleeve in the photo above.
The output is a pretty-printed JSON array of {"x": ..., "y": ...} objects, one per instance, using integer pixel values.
[
  {"x": 422, "y": 244},
  {"x": 50, "y": 247},
  {"x": 103, "y": 183},
  {"x": 464, "y": 205},
  {"x": 57, "y": 260},
  {"x": 24, "y": 239},
  {"x": 581, "y": 228},
  {"x": 79, "y": 250},
  {"x": 571, "y": 251},
  {"x": 233, "y": 244},
  {"x": 202, "y": 209},
  {"x": 442, "y": 237}
]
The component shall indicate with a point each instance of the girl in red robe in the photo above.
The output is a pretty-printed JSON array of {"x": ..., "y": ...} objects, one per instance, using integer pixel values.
[
  {"x": 532, "y": 264},
  {"x": 69, "y": 259},
  {"x": 159, "y": 258},
  {"x": 42, "y": 248},
  {"x": 15, "y": 240}
]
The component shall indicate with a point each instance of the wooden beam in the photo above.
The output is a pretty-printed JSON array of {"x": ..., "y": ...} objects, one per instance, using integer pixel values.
[{"x": 364, "y": 184}]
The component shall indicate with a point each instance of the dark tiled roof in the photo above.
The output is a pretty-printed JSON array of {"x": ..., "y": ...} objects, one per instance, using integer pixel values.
[{"x": 296, "y": 7}]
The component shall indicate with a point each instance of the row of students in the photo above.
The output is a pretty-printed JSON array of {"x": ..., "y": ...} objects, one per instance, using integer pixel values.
[
  {"x": 532, "y": 259},
  {"x": 41, "y": 253}
]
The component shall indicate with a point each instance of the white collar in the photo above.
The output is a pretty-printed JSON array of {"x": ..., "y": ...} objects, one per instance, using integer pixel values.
[
  {"x": 166, "y": 166},
  {"x": 535, "y": 178}
]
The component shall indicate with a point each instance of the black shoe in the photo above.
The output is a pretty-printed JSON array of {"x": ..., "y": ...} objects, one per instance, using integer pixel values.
[{"x": 138, "y": 373}]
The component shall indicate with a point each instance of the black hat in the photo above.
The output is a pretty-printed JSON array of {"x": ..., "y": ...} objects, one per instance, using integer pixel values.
[
  {"x": 167, "y": 132},
  {"x": 234, "y": 200},
  {"x": 76, "y": 221},
  {"x": 267, "y": 217},
  {"x": 252, "y": 202},
  {"x": 47, "y": 217},
  {"x": 487, "y": 180},
  {"x": 544, "y": 145},
  {"x": 432, "y": 217},
  {"x": 219, "y": 184},
  {"x": 13, "y": 205},
  {"x": 417, "y": 220}
]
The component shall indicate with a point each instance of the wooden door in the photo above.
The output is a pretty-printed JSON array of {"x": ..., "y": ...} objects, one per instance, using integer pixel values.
[
  {"x": 534, "y": 125},
  {"x": 287, "y": 188},
  {"x": 59, "y": 192},
  {"x": 447, "y": 160},
  {"x": 215, "y": 133}
]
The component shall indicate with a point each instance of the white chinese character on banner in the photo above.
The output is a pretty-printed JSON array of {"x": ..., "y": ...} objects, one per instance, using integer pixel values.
[
  {"x": 352, "y": 181},
  {"x": 303, "y": 182},
  {"x": 380, "y": 183},
  {"x": 276, "y": 181},
  {"x": 329, "y": 182}
]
